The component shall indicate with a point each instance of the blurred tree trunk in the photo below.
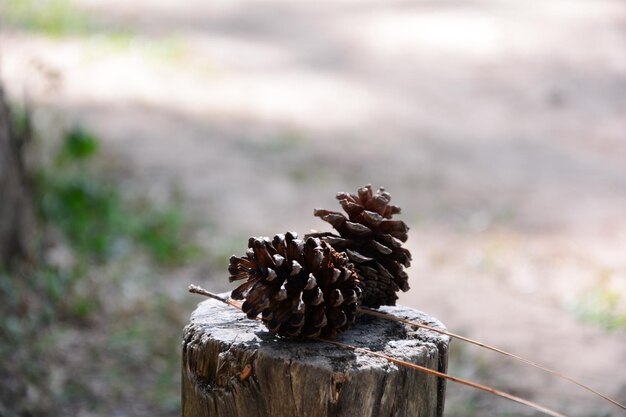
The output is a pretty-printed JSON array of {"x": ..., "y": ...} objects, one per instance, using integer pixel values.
[{"x": 17, "y": 223}]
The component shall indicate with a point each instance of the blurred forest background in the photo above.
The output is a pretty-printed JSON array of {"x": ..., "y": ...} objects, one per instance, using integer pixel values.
[{"x": 165, "y": 133}]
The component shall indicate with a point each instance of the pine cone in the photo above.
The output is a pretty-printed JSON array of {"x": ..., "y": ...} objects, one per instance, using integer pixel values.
[
  {"x": 300, "y": 288},
  {"x": 372, "y": 241}
]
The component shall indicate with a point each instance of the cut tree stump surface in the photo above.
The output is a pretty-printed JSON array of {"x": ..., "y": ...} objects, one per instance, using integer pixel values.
[{"x": 233, "y": 366}]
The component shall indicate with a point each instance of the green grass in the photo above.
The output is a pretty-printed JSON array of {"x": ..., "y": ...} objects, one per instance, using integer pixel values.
[
  {"x": 52, "y": 18},
  {"x": 77, "y": 145},
  {"x": 161, "y": 232},
  {"x": 286, "y": 141},
  {"x": 94, "y": 332},
  {"x": 602, "y": 308},
  {"x": 98, "y": 221},
  {"x": 168, "y": 49},
  {"x": 62, "y": 19}
]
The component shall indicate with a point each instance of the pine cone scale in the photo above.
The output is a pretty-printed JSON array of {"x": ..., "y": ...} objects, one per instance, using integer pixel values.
[
  {"x": 353, "y": 209},
  {"x": 370, "y": 218},
  {"x": 357, "y": 229},
  {"x": 357, "y": 257},
  {"x": 395, "y": 228},
  {"x": 381, "y": 248}
]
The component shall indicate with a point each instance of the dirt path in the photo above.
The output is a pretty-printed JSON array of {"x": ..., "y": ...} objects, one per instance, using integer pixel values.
[{"x": 499, "y": 127}]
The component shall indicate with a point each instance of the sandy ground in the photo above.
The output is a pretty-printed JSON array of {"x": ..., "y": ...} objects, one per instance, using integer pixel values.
[{"x": 499, "y": 127}]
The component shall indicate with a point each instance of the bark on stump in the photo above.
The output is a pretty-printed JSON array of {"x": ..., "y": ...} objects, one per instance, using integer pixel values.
[{"x": 233, "y": 367}]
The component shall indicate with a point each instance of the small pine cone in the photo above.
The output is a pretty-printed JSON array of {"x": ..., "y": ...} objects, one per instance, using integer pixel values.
[
  {"x": 301, "y": 288},
  {"x": 372, "y": 241}
]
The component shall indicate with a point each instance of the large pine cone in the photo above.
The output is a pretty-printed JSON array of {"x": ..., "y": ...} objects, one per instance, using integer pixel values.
[
  {"x": 300, "y": 288},
  {"x": 372, "y": 241}
]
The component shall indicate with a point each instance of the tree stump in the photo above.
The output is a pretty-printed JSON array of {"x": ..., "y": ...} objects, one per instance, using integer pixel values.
[{"x": 234, "y": 367}]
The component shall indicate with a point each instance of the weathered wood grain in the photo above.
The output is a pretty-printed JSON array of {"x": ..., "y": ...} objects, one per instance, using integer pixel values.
[{"x": 233, "y": 366}]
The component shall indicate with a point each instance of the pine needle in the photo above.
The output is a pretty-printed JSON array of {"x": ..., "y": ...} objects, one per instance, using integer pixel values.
[
  {"x": 199, "y": 290},
  {"x": 492, "y": 348},
  {"x": 450, "y": 377}
]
